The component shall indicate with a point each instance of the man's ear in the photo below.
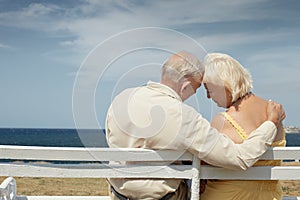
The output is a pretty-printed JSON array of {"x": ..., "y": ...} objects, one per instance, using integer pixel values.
[
  {"x": 185, "y": 90},
  {"x": 185, "y": 85}
]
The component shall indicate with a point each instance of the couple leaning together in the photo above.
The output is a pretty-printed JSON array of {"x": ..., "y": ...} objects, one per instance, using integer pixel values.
[{"x": 155, "y": 117}]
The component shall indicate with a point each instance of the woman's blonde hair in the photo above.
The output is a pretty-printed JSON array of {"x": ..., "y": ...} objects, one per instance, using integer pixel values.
[{"x": 224, "y": 68}]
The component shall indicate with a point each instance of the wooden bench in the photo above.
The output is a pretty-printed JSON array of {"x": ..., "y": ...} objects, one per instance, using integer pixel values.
[{"x": 93, "y": 163}]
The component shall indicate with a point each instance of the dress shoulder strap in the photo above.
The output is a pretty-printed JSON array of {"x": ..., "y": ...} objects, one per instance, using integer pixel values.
[{"x": 242, "y": 133}]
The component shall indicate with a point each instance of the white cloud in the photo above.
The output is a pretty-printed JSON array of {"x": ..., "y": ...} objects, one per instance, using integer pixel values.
[
  {"x": 36, "y": 16},
  {"x": 36, "y": 10},
  {"x": 4, "y": 46},
  {"x": 85, "y": 23},
  {"x": 92, "y": 21},
  {"x": 280, "y": 62},
  {"x": 229, "y": 40}
]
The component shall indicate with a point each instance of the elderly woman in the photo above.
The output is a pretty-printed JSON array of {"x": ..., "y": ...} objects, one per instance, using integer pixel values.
[{"x": 229, "y": 85}]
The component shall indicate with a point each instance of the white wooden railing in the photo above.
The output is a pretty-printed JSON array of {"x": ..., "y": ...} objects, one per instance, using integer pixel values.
[{"x": 90, "y": 167}]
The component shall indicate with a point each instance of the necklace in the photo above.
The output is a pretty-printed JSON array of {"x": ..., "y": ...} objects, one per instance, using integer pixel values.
[{"x": 240, "y": 98}]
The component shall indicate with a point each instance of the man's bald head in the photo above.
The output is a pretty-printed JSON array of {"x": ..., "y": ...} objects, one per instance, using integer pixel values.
[
  {"x": 181, "y": 70},
  {"x": 182, "y": 64}
]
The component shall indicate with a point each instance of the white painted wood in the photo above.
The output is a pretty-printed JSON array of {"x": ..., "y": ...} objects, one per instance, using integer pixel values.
[
  {"x": 89, "y": 154},
  {"x": 282, "y": 153},
  {"x": 253, "y": 173},
  {"x": 119, "y": 154},
  {"x": 97, "y": 171},
  {"x": 8, "y": 189},
  {"x": 143, "y": 170},
  {"x": 195, "y": 186}
]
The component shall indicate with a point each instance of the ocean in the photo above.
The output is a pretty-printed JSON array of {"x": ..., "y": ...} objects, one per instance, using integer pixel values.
[
  {"x": 52, "y": 137},
  {"x": 71, "y": 137}
]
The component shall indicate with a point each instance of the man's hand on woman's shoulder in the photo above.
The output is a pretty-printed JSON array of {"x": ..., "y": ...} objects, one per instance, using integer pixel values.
[{"x": 275, "y": 112}]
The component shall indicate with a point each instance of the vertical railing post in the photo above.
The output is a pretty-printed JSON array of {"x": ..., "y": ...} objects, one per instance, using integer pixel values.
[
  {"x": 195, "y": 187},
  {"x": 8, "y": 189}
]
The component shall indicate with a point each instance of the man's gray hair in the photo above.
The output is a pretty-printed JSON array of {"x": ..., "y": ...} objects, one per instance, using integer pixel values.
[{"x": 182, "y": 64}]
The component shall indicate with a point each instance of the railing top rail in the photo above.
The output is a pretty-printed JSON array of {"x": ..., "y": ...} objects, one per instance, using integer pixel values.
[
  {"x": 90, "y": 154},
  {"x": 282, "y": 153},
  {"x": 119, "y": 154}
]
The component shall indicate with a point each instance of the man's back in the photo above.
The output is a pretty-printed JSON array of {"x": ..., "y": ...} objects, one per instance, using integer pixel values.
[{"x": 145, "y": 117}]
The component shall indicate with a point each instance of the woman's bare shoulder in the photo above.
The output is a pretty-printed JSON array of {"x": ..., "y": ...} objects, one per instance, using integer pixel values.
[
  {"x": 259, "y": 99},
  {"x": 253, "y": 104},
  {"x": 218, "y": 121},
  {"x": 223, "y": 125}
]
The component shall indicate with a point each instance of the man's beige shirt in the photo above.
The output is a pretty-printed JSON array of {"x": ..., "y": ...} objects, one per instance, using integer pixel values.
[{"x": 154, "y": 117}]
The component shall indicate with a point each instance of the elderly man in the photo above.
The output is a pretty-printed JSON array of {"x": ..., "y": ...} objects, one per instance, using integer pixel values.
[{"x": 155, "y": 117}]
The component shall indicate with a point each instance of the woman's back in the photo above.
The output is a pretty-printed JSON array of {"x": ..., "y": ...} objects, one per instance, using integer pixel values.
[
  {"x": 240, "y": 119},
  {"x": 249, "y": 113}
]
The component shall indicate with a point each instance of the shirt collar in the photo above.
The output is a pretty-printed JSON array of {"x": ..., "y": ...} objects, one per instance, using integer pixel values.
[{"x": 163, "y": 89}]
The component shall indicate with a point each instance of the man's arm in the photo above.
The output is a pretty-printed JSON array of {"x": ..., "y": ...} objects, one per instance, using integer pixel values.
[
  {"x": 225, "y": 153},
  {"x": 219, "y": 150}
]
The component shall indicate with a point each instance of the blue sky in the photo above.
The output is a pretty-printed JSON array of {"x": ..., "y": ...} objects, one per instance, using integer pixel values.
[{"x": 44, "y": 44}]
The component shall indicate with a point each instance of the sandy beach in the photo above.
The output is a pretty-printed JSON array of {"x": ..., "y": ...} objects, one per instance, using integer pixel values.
[{"x": 94, "y": 187}]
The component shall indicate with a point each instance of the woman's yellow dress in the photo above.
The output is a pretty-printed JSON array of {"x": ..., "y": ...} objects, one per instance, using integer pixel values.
[{"x": 245, "y": 190}]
